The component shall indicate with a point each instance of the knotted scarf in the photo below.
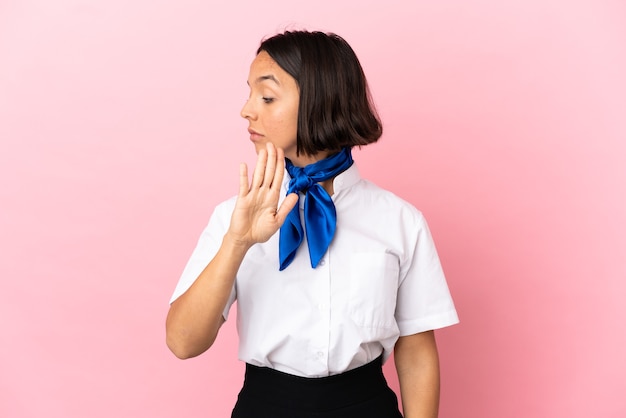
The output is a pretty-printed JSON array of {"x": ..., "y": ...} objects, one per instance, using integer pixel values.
[{"x": 320, "y": 217}]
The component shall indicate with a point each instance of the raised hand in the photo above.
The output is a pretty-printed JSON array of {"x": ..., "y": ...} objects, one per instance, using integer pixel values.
[{"x": 257, "y": 216}]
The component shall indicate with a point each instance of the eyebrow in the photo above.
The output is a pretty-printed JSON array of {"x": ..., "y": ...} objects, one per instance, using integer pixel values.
[{"x": 266, "y": 77}]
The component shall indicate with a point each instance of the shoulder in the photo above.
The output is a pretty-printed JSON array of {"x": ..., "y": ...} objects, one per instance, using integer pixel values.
[
  {"x": 367, "y": 206},
  {"x": 370, "y": 194}
]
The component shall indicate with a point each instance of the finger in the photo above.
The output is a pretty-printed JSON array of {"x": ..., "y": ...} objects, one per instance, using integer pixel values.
[
  {"x": 271, "y": 165},
  {"x": 288, "y": 204},
  {"x": 243, "y": 179},
  {"x": 279, "y": 171},
  {"x": 259, "y": 170}
]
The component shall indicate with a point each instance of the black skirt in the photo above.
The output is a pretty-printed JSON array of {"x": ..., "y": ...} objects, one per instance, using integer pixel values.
[{"x": 361, "y": 393}]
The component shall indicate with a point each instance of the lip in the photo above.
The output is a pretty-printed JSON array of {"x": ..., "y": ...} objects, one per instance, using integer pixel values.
[{"x": 254, "y": 135}]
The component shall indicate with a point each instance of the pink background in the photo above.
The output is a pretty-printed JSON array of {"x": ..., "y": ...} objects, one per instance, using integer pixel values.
[{"x": 120, "y": 130}]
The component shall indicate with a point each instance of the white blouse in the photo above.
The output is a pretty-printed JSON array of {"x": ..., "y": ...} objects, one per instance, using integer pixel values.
[{"x": 380, "y": 278}]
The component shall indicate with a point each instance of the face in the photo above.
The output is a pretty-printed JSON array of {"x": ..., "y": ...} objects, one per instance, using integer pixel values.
[{"x": 272, "y": 107}]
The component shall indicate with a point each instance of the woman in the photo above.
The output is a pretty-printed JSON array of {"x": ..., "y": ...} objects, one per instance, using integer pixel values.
[{"x": 330, "y": 273}]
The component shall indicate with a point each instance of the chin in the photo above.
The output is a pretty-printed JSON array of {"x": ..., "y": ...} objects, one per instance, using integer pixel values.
[{"x": 258, "y": 147}]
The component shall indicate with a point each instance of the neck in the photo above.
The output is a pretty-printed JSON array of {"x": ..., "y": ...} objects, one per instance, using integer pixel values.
[
  {"x": 328, "y": 186},
  {"x": 303, "y": 160},
  {"x": 322, "y": 169}
]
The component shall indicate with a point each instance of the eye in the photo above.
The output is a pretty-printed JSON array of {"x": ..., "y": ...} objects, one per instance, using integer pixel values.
[{"x": 268, "y": 99}]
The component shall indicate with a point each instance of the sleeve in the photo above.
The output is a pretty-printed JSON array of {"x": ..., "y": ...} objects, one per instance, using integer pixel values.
[
  {"x": 424, "y": 302},
  {"x": 206, "y": 248}
]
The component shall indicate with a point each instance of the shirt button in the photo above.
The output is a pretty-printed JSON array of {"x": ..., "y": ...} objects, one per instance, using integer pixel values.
[
  {"x": 320, "y": 354},
  {"x": 322, "y": 262}
]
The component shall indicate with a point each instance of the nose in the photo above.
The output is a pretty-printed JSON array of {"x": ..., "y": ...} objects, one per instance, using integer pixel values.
[{"x": 247, "y": 111}]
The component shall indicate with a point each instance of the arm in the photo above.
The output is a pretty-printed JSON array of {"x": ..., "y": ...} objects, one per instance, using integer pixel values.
[
  {"x": 417, "y": 364},
  {"x": 194, "y": 319}
]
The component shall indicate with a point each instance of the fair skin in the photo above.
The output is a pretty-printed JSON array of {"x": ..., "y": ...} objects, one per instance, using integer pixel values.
[
  {"x": 272, "y": 111},
  {"x": 195, "y": 318},
  {"x": 417, "y": 365}
]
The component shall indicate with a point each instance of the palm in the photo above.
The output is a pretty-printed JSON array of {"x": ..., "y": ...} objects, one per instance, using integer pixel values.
[{"x": 256, "y": 216}]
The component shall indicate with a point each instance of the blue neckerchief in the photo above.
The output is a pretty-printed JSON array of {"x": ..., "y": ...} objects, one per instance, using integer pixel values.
[{"x": 320, "y": 217}]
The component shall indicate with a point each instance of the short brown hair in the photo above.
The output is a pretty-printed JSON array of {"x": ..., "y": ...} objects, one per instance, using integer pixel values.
[{"x": 335, "y": 109}]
